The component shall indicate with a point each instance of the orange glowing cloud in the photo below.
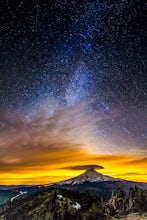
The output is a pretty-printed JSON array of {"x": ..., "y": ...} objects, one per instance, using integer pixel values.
[{"x": 36, "y": 150}]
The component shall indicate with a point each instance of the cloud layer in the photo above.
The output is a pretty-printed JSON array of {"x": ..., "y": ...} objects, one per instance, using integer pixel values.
[
  {"x": 44, "y": 145},
  {"x": 84, "y": 167}
]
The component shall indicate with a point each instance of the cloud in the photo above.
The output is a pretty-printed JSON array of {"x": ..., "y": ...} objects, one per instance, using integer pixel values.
[
  {"x": 84, "y": 167},
  {"x": 143, "y": 150},
  {"x": 137, "y": 161},
  {"x": 44, "y": 139},
  {"x": 132, "y": 174},
  {"x": 38, "y": 146}
]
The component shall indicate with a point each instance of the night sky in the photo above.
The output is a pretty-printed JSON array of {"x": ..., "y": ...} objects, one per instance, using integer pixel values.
[{"x": 72, "y": 89}]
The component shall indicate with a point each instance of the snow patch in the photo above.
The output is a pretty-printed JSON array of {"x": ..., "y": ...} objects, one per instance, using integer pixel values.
[
  {"x": 76, "y": 206},
  {"x": 59, "y": 196}
]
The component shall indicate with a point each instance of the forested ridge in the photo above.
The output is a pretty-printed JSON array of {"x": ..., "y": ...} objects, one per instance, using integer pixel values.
[{"x": 62, "y": 204}]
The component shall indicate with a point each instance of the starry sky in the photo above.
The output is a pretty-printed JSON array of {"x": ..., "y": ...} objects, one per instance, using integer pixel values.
[{"x": 72, "y": 89}]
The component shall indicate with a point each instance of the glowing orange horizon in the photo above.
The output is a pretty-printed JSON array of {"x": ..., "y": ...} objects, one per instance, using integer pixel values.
[
  {"x": 42, "y": 149},
  {"x": 57, "y": 168}
]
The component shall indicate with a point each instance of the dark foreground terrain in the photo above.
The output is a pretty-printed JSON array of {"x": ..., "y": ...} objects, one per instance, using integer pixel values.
[{"x": 62, "y": 204}]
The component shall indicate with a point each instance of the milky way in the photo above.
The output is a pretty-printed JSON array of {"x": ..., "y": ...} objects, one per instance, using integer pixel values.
[{"x": 83, "y": 62}]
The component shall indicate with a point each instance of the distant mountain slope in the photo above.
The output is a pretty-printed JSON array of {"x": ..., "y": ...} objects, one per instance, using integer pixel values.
[
  {"x": 5, "y": 195},
  {"x": 8, "y": 192},
  {"x": 97, "y": 183}
]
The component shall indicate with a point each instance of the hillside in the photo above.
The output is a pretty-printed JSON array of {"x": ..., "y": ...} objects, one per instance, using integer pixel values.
[
  {"x": 61, "y": 204},
  {"x": 48, "y": 204},
  {"x": 8, "y": 192},
  {"x": 5, "y": 195},
  {"x": 133, "y": 216}
]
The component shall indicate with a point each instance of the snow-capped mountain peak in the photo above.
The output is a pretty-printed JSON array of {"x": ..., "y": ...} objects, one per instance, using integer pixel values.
[{"x": 90, "y": 175}]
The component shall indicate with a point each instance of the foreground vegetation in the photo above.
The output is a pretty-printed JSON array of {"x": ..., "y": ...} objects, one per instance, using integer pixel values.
[
  {"x": 132, "y": 216},
  {"x": 61, "y": 204}
]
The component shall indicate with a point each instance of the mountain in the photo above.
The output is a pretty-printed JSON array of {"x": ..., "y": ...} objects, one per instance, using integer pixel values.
[
  {"x": 97, "y": 183},
  {"x": 90, "y": 175},
  {"x": 89, "y": 196},
  {"x": 12, "y": 187}
]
